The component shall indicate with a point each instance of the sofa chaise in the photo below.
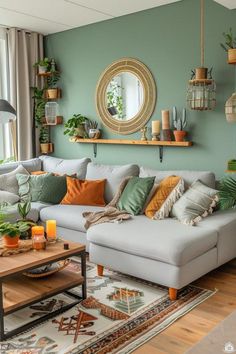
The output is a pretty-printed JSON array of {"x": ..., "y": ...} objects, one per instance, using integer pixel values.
[{"x": 164, "y": 252}]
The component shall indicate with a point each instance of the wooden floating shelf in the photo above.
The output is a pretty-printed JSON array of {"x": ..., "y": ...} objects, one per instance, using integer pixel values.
[
  {"x": 158, "y": 143},
  {"x": 59, "y": 121},
  {"x": 47, "y": 74},
  {"x": 230, "y": 171}
]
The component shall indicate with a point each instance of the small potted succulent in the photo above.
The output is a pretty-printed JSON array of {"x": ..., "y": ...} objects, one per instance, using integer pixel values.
[
  {"x": 45, "y": 145},
  {"x": 93, "y": 131},
  {"x": 230, "y": 46},
  {"x": 42, "y": 65},
  {"x": 23, "y": 210},
  {"x": 52, "y": 91},
  {"x": 75, "y": 126},
  {"x": 179, "y": 124}
]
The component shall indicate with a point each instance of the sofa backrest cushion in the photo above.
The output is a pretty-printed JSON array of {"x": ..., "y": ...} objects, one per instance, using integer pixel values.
[
  {"x": 113, "y": 175},
  {"x": 206, "y": 177},
  {"x": 61, "y": 166},
  {"x": 29, "y": 165}
]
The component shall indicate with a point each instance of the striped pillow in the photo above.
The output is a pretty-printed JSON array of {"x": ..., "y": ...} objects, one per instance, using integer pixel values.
[{"x": 195, "y": 204}]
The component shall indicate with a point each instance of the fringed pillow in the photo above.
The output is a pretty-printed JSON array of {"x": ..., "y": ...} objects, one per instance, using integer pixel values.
[
  {"x": 195, "y": 204},
  {"x": 167, "y": 193}
]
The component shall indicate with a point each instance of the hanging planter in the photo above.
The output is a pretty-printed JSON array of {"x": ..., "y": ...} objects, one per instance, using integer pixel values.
[{"x": 201, "y": 95}]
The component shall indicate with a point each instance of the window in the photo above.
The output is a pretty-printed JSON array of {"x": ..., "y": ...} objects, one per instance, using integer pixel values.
[{"x": 5, "y": 131}]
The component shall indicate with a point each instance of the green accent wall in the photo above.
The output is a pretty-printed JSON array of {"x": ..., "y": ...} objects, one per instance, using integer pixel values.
[{"x": 167, "y": 40}]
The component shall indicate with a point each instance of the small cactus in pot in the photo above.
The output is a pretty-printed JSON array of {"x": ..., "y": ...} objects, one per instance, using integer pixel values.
[{"x": 179, "y": 124}]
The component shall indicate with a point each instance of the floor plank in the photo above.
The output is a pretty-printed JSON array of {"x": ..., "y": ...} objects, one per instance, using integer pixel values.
[{"x": 195, "y": 325}]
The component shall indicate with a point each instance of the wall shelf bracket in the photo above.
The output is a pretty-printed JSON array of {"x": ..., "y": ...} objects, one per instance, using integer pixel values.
[
  {"x": 95, "y": 149},
  {"x": 161, "y": 153}
]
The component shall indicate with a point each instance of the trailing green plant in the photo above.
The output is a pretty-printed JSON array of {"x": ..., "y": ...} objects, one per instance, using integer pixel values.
[
  {"x": 39, "y": 106},
  {"x": 114, "y": 99},
  {"x": 230, "y": 40},
  {"x": 43, "y": 62},
  {"x": 53, "y": 79},
  {"x": 179, "y": 122},
  {"x": 44, "y": 136},
  {"x": 227, "y": 193},
  {"x": 73, "y": 123},
  {"x": 24, "y": 209}
]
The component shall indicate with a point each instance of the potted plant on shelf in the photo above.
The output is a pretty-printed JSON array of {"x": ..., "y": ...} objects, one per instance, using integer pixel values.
[
  {"x": 93, "y": 131},
  {"x": 42, "y": 65},
  {"x": 52, "y": 91},
  {"x": 179, "y": 124},
  {"x": 75, "y": 126},
  {"x": 45, "y": 144},
  {"x": 230, "y": 46},
  {"x": 23, "y": 210}
]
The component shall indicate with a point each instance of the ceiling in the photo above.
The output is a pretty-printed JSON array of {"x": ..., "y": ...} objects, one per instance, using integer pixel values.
[{"x": 51, "y": 16}]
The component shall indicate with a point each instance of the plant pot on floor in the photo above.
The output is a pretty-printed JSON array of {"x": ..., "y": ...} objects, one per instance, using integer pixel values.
[
  {"x": 52, "y": 93},
  {"x": 180, "y": 135},
  {"x": 11, "y": 242},
  {"x": 232, "y": 56}
]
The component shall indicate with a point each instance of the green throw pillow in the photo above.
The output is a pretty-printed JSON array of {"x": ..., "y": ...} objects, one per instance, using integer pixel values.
[
  {"x": 135, "y": 194},
  {"x": 45, "y": 188}
]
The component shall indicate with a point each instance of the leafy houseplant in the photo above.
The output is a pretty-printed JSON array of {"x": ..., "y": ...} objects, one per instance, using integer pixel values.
[
  {"x": 179, "y": 124},
  {"x": 23, "y": 210},
  {"x": 230, "y": 46},
  {"x": 75, "y": 126},
  {"x": 227, "y": 193},
  {"x": 52, "y": 80},
  {"x": 44, "y": 139},
  {"x": 42, "y": 65},
  {"x": 11, "y": 233}
]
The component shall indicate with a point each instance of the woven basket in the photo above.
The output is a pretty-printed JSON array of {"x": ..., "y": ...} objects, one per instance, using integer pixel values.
[{"x": 61, "y": 266}]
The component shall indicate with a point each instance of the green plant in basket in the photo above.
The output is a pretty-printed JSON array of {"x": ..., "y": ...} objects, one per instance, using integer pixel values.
[
  {"x": 75, "y": 126},
  {"x": 227, "y": 193}
]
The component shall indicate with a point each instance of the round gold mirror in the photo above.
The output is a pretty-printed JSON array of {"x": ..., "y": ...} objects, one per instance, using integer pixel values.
[{"x": 126, "y": 96}]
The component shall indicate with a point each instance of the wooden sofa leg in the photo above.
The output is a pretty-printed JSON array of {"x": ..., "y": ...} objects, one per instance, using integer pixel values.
[
  {"x": 172, "y": 294},
  {"x": 100, "y": 269}
]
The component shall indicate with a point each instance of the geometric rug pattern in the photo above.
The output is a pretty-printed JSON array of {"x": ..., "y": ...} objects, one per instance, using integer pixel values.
[{"x": 119, "y": 314}]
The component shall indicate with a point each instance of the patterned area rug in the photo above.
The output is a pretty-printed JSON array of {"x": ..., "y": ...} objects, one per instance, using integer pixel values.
[{"x": 119, "y": 314}]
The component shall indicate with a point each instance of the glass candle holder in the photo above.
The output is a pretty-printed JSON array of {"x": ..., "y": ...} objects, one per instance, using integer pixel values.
[
  {"x": 39, "y": 243},
  {"x": 51, "y": 230}
]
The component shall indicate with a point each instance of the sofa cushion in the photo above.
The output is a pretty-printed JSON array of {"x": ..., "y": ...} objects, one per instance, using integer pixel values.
[
  {"x": 67, "y": 216},
  {"x": 8, "y": 181},
  {"x": 69, "y": 167},
  {"x": 39, "y": 205},
  {"x": 29, "y": 165},
  {"x": 206, "y": 177},
  {"x": 113, "y": 174},
  {"x": 8, "y": 197},
  {"x": 165, "y": 240},
  {"x": 135, "y": 194}
]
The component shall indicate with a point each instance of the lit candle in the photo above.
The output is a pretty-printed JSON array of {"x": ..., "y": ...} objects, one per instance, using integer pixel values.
[
  {"x": 51, "y": 230},
  {"x": 156, "y": 126},
  {"x": 165, "y": 119}
]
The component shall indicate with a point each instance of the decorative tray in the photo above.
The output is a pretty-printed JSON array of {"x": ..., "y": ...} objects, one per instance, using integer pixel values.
[{"x": 48, "y": 269}]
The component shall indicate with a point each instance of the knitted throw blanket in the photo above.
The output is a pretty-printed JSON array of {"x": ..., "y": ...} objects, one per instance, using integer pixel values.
[{"x": 110, "y": 212}]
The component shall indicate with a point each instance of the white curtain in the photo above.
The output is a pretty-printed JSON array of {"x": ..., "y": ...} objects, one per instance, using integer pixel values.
[
  {"x": 6, "y": 147},
  {"x": 24, "y": 49}
]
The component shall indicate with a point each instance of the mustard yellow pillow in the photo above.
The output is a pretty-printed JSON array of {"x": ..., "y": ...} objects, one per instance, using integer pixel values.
[{"x": 167, "y": 193}]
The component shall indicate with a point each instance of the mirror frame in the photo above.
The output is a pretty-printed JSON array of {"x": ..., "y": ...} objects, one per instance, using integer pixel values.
[{"x": 140, "y": 70}]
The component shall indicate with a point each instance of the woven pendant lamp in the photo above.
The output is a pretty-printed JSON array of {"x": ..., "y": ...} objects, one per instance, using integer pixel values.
[{"x": 201, "y": 95}]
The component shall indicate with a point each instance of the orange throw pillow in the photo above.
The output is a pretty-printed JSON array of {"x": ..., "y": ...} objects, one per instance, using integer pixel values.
[
  {"x": 37, "y": 173},
  {"x": 167, "y": 193},
  {"x": 84, "y": 192}
]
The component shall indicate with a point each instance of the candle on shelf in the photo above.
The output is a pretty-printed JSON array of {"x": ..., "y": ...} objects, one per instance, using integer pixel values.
[
  {"x": 51, "y": 230},
  {"x": 156, "y": 127},
  {"x": 165, "y": 119}
]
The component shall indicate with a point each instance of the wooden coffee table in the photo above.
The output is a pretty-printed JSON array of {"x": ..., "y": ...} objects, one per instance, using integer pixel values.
[{"x": 18, "y": 291}]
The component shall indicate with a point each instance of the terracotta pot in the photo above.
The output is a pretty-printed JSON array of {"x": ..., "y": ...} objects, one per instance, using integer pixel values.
[
  {"x": 11, "y": 242},
  {"x": 232, "y": 56},
  {"x": 52, "y": 93},
  {"x": 180, "y": 135}
]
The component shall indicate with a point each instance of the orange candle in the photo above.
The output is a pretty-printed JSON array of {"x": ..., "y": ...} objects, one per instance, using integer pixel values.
[
  {"x": 51, "y": 229},
  {"x": 37, "y": 230}
]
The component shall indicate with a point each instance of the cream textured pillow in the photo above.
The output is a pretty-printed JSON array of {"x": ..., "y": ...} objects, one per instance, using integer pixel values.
[
  {"x": 195, "y": 204},
  {"x": 8, "y": 181},
  {"x": 8, "y": 197}
]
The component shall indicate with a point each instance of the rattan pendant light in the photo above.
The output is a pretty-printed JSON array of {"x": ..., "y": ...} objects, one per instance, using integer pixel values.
[{"x": 201, "y": 94}]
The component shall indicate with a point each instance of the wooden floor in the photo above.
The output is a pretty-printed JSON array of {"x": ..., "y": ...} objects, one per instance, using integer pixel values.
[{"x": 195, "y": 325}]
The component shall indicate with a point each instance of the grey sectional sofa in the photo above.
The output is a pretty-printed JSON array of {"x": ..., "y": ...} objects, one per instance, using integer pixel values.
[{"x": 165, "y": 252}]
